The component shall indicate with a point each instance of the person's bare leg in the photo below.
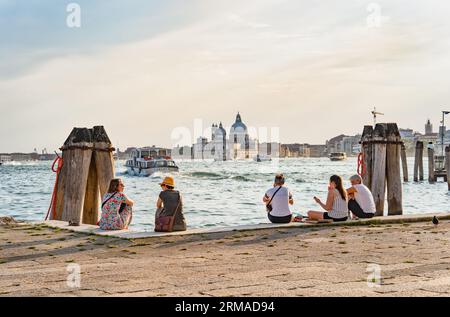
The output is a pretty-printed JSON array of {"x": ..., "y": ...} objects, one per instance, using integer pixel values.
[{"x": 315, "y": 215}]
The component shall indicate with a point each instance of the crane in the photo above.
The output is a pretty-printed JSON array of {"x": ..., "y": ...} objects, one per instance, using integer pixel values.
[{"x": 375, "y": 113}]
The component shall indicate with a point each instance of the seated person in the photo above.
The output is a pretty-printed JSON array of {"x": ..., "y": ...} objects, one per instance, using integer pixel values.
[
  {"x": 170, "y": 203},
  {"x": 277, "y": 200},
  {"x": 361, "y": 202},
  {"x": 336, "y": 205},
  {"x": 116, "y": 207}
]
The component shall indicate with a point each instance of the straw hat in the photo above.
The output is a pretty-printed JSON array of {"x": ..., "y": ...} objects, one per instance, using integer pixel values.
[{"x": 168, "y": 181}]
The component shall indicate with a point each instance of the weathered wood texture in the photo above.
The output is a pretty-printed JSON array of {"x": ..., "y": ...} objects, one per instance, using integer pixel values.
[
  {"x": 431, "y": 176},
  {"x": 393, "y": 174},
  {"x": 103, "y": 159},
  {"x": 418, "y": 162},
  {"x": 367, "y": 150},
  {"x": 77, "y": 163},
  {"x": 404, "y": 164},
  {"x": 92, "y": 197},
  {"x": 379, "y": 168},
  {"x": 87, "y": 170}
]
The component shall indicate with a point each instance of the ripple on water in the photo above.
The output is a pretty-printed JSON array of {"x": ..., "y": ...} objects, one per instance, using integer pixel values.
[{"x": 215, "y": 193}]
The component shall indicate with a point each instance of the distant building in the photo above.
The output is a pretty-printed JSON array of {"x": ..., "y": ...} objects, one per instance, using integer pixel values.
[
  {"x": 350, "y": 144},
  {"x": 343, "y": 143},
  {"x": 407, "y": 134},
  {"x": 237, "y": 146},
  {"x": 295, "y": 150},
  {"x": 183, "y": 152},
  {"x": 272, "y": 149},
  {"x": 5, "y": 158},
  {"x": 428, "y": 128},
  {"x": 318, "y": 150}
]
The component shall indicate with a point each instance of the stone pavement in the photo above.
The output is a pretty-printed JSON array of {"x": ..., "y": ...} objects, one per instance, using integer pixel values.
[{"x": 413, "y": 258}]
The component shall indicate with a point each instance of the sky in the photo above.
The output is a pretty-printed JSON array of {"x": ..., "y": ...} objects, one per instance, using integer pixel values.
[{"x": 149, "y": 70}]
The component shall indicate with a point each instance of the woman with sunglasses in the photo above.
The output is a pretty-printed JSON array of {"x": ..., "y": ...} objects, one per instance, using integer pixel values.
[
  {"x": 116, "y": 207},
  {"x": 170, "y": 203}
]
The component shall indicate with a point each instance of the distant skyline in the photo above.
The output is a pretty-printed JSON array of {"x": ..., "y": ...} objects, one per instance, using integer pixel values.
[{"x": 143, "y": 68}]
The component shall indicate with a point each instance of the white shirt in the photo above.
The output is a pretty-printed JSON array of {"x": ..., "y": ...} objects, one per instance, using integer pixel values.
[
  {"x": 364, "y": 198},
  {"x": 340, "y": 207},
  {"x": 280, "y": 203}
]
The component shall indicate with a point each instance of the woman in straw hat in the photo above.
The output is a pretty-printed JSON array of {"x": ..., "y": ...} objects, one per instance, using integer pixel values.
[{"x": 170, "y": 203}]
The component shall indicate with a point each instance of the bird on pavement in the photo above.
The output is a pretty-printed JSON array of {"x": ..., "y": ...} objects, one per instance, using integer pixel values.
[{"x": 435, "y": 221}]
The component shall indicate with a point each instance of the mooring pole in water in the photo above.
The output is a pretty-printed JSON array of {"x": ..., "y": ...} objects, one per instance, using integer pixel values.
[
  {"x": 367, "y": 150},
  {"x": 87, "y": 170},
  {"x": 393, "y": 175},
  {"x": 431, "y": 176},
  {"x": 77, "y": 155},
  {"x": 447, "y": 164},
  {"x": 404, "y": 163},
  {"x": 418, "y": 162},
  {"x": 379, "y": 167}
]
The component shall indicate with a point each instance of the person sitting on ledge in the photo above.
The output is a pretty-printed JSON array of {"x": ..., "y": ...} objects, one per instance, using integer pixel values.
[
  {"x": 336, "y": 205},
  {"x": 277, "y": 200},
  {"x": 116, "y": 207},
  {"x": 361, "y": 202},
  {"x": 170, "y": 204}
]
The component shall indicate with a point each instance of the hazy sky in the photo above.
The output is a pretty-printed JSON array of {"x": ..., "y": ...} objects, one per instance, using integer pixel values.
[{"x": 143, "y": 68}]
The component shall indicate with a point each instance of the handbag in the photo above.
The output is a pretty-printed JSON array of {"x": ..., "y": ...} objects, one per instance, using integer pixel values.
[
  {"x": 165, "y": 223},
  {"x": 110, "y": 197},
  {"x": 269, "y": 207}
]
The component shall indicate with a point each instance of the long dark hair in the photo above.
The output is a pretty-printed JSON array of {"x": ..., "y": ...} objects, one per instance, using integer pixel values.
[
  {"x": 114, "y": 185},
  {"x": 339, "y": 186}
]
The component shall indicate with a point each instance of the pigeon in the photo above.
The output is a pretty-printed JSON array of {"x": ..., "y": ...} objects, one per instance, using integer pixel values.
[{"x": 435, "y": 221}]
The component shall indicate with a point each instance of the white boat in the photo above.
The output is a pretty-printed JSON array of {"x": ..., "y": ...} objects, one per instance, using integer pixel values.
[
  {"x": 338, "y": 156},
  {"x": 147, "y": 161},
  {"x": 262, "y": 158}
]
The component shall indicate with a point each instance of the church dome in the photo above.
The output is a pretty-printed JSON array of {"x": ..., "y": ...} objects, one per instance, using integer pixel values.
[
  {"x": 238, "y": 126},
  {"x": 220, "y": 130}
]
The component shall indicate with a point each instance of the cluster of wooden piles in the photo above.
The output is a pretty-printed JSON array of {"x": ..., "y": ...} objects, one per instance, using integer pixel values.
[{"x": 87, "y": 170}]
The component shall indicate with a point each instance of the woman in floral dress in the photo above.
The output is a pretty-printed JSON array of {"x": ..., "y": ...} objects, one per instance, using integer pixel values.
[{"x": 116, "y": 207}]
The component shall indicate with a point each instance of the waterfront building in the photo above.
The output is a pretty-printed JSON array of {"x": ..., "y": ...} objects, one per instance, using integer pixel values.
[
  {"x": 335, "y": 144},
  {"x": 272, "y": 149},
  {"x": 5, "y": 158},
  {"x": 343, "y": 143},
  {"x": 350, "y": 144},
  {"x": 182, "y": 153},
  {"x": 428, "y": 128},
  {"x": 295, "y": 150},
  {"x": 237, "y": 145},
  {"x": 317, "y": 150}
]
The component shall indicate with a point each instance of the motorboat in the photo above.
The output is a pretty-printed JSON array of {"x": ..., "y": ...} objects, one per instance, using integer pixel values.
[
  {"x": 338, "y": 156},
  {"x": 148, "y": 161}
]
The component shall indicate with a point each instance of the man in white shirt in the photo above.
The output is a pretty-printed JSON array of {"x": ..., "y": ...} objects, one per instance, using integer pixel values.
[
  {"x": 277, "y": 200},
  {"x": 361, "y": 202}
]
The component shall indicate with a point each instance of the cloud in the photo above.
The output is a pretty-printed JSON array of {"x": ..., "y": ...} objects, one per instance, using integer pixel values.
[{"x": 312, "y": 70}]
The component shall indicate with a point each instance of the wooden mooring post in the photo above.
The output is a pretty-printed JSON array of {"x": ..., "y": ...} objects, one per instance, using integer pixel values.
[
  {"x": 382, "y": 149},
  {"x": 418, "y": 162},
  {"x": 393, "y": 179},
  {"x": 431, "y": 175},
  {"x": 379, "y": 167},
  {"x": 367, "y": 150},
  {"x": 447, "y": 164},
  {"x": 88, "y": 167},
  {"x": 404, "y": 163}
]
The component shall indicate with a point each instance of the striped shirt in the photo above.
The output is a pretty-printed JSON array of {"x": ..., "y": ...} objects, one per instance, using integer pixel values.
[{"x": 340, "y": 207}]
